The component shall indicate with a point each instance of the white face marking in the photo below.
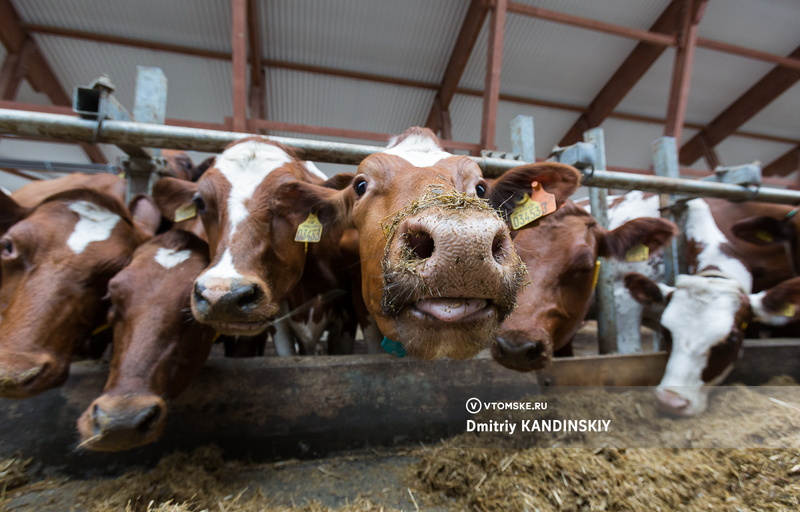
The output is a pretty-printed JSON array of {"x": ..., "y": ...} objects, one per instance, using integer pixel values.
[
  {"x": 169, "y": 258},
  {"x": 245, "y": 166},
  {"x": 700, "y": 315},
  {"x": 94, "y": 225},
  {"x": 222, "y": 270},
  {"x": 420, "y": 151},
  {"x": 701, "y": 228},
  {"x": 761, "y": 314}
]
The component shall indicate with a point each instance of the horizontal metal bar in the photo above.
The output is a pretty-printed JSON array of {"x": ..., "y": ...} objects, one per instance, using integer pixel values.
[
  {"x": 67, "y": 128},
  {"x": 48, "y": 166}
]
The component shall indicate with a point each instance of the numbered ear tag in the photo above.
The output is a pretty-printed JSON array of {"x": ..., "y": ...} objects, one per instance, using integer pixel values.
[
  {"x": 538, "y": 204},
  {"x": 186, "y": 212},
  {"x": 765, "y": 236},
  {"x": 310, "y": 230},
  {"x": 637, "y": 253},
  {"x": 788, "y": 310},
  {"x": 596, "y": 274}
]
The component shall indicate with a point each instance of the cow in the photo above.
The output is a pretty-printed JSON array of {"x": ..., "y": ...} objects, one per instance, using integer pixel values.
[
  {"x": 33, "y": 193},
  {"x": 56, "y": 260},
  {"x": 259, "y": 274},
  {"x": 561, "y": 252},
  {"x": 440, "y": 272},
  {"x": 731, "y": 283},
  {"x": 158, "y": 345}
]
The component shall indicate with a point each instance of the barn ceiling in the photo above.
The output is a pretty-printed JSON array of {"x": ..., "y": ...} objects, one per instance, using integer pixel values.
[{"x": 362, "y": 69}]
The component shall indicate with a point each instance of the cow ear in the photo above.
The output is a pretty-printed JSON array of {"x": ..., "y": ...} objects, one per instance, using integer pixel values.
[
  {"x": 764, "y": 230},
  {"x": 652, "y": 232},
  {"x": 146, "y": 214},
  {"x": 10, "y": 212},
  {"x": 644, "y": 290},
  {"x": 779, "y": 304},
  {"x": 331, "y": 203},
  {"x": 558, "y": 179},
  {"x": 170, "y": 194}
]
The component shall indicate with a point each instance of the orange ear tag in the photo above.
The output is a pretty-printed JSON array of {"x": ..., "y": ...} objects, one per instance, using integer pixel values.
[
  {"x": 788, "y": 310},
  {"x": 637, "y": 253},
  {"x": 310, "y": 230},
  {"x": 538, "y": 204},
  {"x": 186, "y": 212}
]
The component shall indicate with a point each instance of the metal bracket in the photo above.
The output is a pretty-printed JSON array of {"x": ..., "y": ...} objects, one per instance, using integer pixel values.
[
  {"x": 745, "y": 175},
  {"x": 487, "y": 153},
  {"x": 581, "y": 155}
]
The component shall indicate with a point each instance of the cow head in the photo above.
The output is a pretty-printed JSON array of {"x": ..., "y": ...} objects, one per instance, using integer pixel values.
[
  {"x": 561, "y": 251},
  {"x": 439, "y": 270},
  {"x": 251, "y": 230},
  {"x": 56, "y": 262},
  {"x": 158, "y": 346},
  {"x": 706, "y": 315}
]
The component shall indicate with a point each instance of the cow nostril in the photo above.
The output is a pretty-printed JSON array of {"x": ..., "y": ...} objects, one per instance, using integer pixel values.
[
  {"x": 148, "y": 418},
  {"x": 499, "y": 248},
  {"x": 247, "y": 294},
  {"x": 420, "y": 243},
  {"x": 99, "y": 419},
  {"x": 534, "y": 352},
  {"x": 198, "y": 294}
]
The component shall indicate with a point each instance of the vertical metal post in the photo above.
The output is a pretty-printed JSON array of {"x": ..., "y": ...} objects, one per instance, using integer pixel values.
[
  {"x": 665, "y": 163},
  {"x": 523, "y": 141},
  {"x": 494, "y": 65},
  {"x": 150, "y": 106},
  {"x": 604, "y": 292}
]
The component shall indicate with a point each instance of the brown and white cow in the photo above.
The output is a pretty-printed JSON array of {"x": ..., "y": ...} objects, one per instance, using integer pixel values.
[
  {"x": 258, "y": 273},
  {"x": 158, "y": 345},
  {"x": 561, "y": 251},
  {"x": 33, "y": 193},
  {"x": 56, "y": 261},
  {"x": 439, "y": 269},
  {"x": 705, "y": 311}
]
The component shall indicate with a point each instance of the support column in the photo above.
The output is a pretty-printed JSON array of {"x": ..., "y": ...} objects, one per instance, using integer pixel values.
[
  {"x": 239, "y": 64},
  {"x": 494, "y": 62}
]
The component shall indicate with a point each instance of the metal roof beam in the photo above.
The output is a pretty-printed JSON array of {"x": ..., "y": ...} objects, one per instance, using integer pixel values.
[
  {"x": 258, "y": 80},
  {"x": 465, "y": 42},
  {"x": 772, "y": 85},
  {"x": 494, "y": 66},
  {"x": 38, "y": 72},
  {"x": 625, "y": 77},
  {"x": 239, "y": 63},
  {"x": 785, "y": 164}
]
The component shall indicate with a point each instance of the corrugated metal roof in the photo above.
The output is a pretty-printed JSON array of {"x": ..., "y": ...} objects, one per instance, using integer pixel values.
[{"x": 413, "y": 40}]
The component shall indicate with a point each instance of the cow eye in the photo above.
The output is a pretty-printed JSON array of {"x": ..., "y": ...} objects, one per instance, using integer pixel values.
[
  {"x": 480, "y": 190},
  {"x": 360, "y": 187},
  {"x": 198, "y": 201},
  {"x": 8, "y": 249}
]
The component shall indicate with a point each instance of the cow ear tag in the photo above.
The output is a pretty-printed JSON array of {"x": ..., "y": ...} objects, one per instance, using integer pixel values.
[
  {"x": 392, "y": 347},
  {"x": 765, "y": 236},
  {"x": 186, "y": 212},
  {"x": 310, "y": 230},
  {"x": 637, "y": 253},
  {"x": 596, "y": 274},
  {"x": 538, "y": 204},
  {"x": 788, "y": 310}
]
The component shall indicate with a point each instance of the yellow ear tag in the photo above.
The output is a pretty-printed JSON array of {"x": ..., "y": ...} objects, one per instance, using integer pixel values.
[
  {"x": 121, "y": 175},
  {"x": 744, "y": 326},
  {"x": 596, "y": 274},
  {"x": 765, "y": 236},
  {"x": 100, "y": 329},
  {"x": 788, "y": 310},
  {"x": 538, "y": 204},
  {"x": 310, "y": 230},
  {"x": 637, "y": 253},
  {"x": 186, "y": 212}
]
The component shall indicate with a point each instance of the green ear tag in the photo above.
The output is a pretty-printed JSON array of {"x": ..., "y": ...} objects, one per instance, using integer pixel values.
[
  {"x": 393, "y": 347},
  {"x": 310, "y": 230},
  {"x": 638, "y": 253},
  {"x": 186, "y": 212}
]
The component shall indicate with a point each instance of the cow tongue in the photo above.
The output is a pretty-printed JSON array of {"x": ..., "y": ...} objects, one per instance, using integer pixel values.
[{"x": 451, "y": 309}]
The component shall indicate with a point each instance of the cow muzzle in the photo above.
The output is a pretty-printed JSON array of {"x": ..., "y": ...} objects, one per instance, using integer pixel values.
[
  {"x": 233, "y": 306},
  {"x": 683, "y": 402},
  {"x": 523, "y": 351},
  {"x": 25, "y": 376},
  {"x": 122, "y": 422}
]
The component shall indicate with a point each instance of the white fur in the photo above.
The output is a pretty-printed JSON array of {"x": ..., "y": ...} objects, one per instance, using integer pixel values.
[
  {"x": 761, "y": 314},
  {"x": 245, "y": 166},
  {"x": 699, "y": 316},
  {"x": 420, "y": 151},
  {"x": 224, "y": 269},
  {"x": 315, "y": 170},
  {"x": 94, "y": 225},
  {"x": 169, "y": 258}
]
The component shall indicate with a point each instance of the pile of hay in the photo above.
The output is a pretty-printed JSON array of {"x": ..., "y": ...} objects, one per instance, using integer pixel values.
[{"x": 602, "y": 471}]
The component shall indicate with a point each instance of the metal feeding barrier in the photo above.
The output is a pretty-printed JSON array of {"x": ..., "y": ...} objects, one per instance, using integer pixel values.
[{"x": 103, "y": 120}]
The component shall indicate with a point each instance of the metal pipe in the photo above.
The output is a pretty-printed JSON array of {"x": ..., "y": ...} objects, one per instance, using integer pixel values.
[
  {"x": 48, "y": 166},
  {"x": 73, "y": 129}
]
